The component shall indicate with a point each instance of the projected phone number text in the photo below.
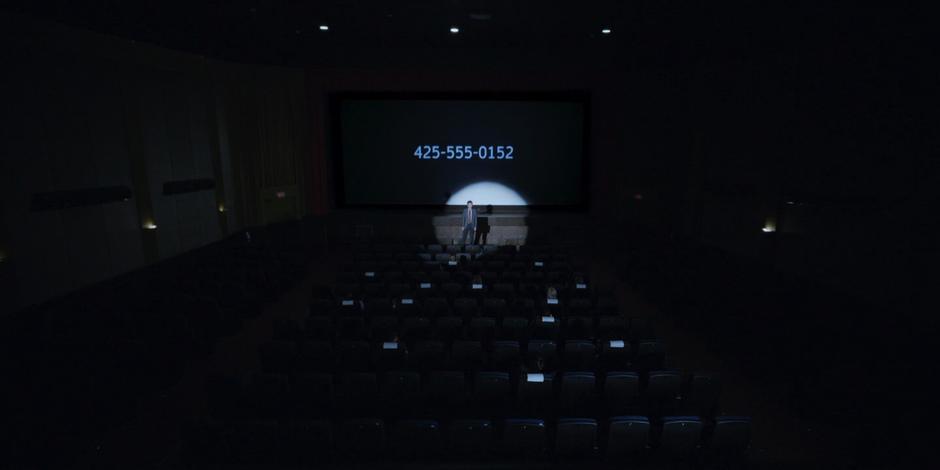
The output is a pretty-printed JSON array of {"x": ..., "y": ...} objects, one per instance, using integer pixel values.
[{"x": 464, "y": 152}]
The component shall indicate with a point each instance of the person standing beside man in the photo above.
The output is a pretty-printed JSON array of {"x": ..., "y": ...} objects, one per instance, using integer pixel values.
[{"x": 469, "y": 223}]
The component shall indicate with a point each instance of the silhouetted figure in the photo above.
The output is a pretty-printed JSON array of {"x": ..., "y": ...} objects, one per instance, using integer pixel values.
[{"x": 468, "y": 221}]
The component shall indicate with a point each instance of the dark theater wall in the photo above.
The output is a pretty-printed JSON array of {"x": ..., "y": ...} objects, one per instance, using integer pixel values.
[{"x": 83, "y": 110}]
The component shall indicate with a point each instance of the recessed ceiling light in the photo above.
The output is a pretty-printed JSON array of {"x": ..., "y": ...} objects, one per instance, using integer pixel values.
[
  {"x": 324, "y": 27},
  {"x": 454, "y": 29},
  {"x": 605, "y": 31}
]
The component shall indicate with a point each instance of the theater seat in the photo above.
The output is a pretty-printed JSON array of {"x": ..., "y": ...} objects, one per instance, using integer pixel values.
[
  {"x": 702, "y": 394},
  {"x": 579, "y": 327},
  {"x": 428, "y": 355},
  {"x": 416, "y": 438},
  {"x": 361, "y": 439},
  {"x": 252, "y": 442},
  {"x": 482, "y": 328},
  {"x": 505, "y": 355},
  {"x": 451, "y": 289},
  {"x": 730, "y": 440},
  {"x": 621, "y": 392},
  {"x": 650, "y": 355},
  {"x": 389, "y": 355},
  {"x": 662, "y": 391},
  {"x": 514, "y": 328},
  {"x": 415, "y": 328},
  {"x": 503, "y": 290},
  {"x": 491, "y": 391},
  {"x": 576, "y": 438},
  {"x": 611, "y": 327},
  {"x": 578, "y": 392},
  {"x": 306, "y": 443},
  {"x": 466, "y": 307},
  {"x": 357, "y": 392},
  {"x": 524, "y": 439},
  {"x": 547, "y": 350},
  {"x": 354, "y": 355},
  {"x": 435, "y": 307},
  {"x": 382, "y": 327},
  {"x": 536, "y": 391},
  {"x": 680, "y": 436},
  {"x": 628, "y": 436},
  {"x": 579, "y": 306},
  {"x": 400, "y": 392},
  {"x": 470, "y": 438},
  {"x": 445, "y": 391},
  {"x": 448, "y": 328},
  {"x": 467, "y": 355},
  {"x": 494, "y": 307},
  {"x": 579, "y": 354}
]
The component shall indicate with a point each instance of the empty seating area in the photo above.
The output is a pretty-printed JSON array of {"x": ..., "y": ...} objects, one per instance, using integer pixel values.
[{"x": 465, "y": 353}]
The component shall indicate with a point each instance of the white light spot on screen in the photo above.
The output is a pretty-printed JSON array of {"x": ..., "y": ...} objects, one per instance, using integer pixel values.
[{"x": 486, "y": 193}]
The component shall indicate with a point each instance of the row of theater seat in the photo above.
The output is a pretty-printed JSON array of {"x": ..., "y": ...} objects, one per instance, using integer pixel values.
[
  {"x": 461, "y": 306},
  {"x": 434, "y": 272},
  {"x": 575, "y": 354},
  {"x": 448, "y": 328},
  {"x": 454, "y": 392},
  {"x": 405, "y": 335},
  {"x": 433, "y": 247},
  {"x": 615, "y": 439},
  {"x": 502, "y": 252}
]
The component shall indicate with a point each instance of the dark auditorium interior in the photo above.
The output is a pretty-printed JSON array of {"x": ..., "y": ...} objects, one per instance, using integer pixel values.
[{"x": 235, "y": 234}]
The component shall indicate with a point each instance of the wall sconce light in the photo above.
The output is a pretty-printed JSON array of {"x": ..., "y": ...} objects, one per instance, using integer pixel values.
[
  {"x": 770, "y": 225},
  {"x": 221, "y": 207},
  {"x": 149, "y": 225}
]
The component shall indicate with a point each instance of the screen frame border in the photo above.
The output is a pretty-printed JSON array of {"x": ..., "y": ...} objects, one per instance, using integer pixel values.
[{"x": 335, "y": 151}]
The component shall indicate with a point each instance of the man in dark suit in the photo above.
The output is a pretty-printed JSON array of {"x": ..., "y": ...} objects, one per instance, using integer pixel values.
[{"x": 469, "y": 223}]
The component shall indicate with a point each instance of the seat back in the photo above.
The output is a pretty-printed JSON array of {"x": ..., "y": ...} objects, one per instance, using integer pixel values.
[
  {"x": 703, "y": 394},
  {"x": 514, "y": 328},
  {"x": 467, "y": 354},
  {"x": 446, "y": 389},
  {"x": 357, "y": 391},
  {"x": 524, "y": 438},
  {"x": 505, "y": 354},
  {"x": 576, "y": 437},
  {"x": 361, "y": 438},
  {"x": 731, "y": 437},
  {"x": 621, "y": 391},
  {"x": 400, "y": 389},
  {"x": 579, "y": 354},
  {"x": 578, "y": 390},
  {"x": 491, "y": 389},
  {"x": 416, "y": 438},
  {"x": 681, "y": 435},
  {"x": 628, "y": 435},
  {"x": 663, "y": 385},
  {"x": 428, "y": 354},
  {"x": 470, "y": 438}
]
